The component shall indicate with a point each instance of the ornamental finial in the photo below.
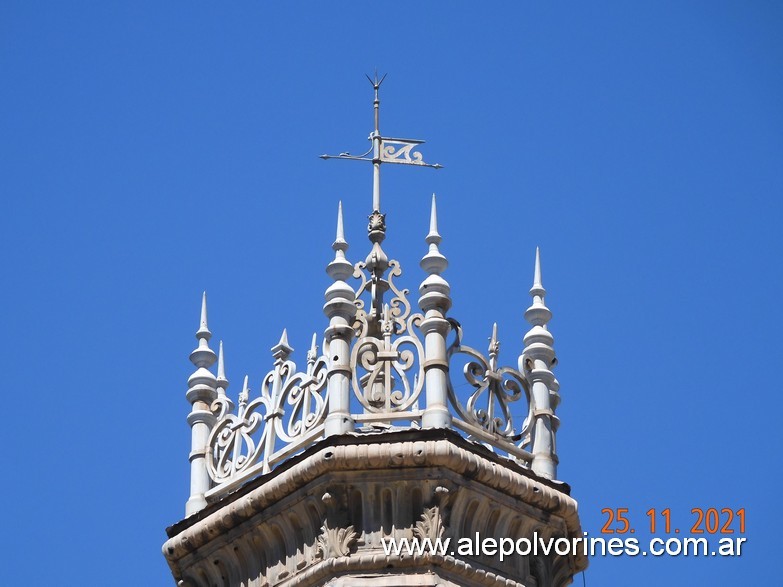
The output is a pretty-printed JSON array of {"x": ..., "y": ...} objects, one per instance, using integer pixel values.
[
  {"x": 341, "y": 310},
  {"x": 340, "y": 268},
  {"x": 376, "y": 85},
  {"x": 222, "y": 381},
  {"x": 434, "y": 262},
  {"x": 435, "y": 301},
  {"x": 312, "y": 353},
  {"x": 282, "y": 350},
  {"x": 538, "y": 314},
  {"x": 202, "y": 391},
  {"x": 494, "y": 345},
  {"x": 221, "y": 364},
  {"x": 538, "y": 288},
  {"x": 203, "y": 356},
  {"x": 434, "y": 235},
  {"x": 536, "y": 362},
  {"x": 340, "y": 237},
  {"x": 244, "y": 395},
  {"x": 203, "y": 330}
]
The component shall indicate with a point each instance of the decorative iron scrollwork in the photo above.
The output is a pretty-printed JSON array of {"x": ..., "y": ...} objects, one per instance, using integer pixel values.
[
  {"x": 388, "y": 373},
  {"x": 401, "y": 151},
  {"x": 235, "y": 444},
  {"x": 240, "y": 441},
  {"x": 387, "y": 357},
  {"x": 306, "y": 394},
  {"x": 399, "y": 306},
  {"x": 495, "y": 388},
  {"x": 361, "y": 324}
]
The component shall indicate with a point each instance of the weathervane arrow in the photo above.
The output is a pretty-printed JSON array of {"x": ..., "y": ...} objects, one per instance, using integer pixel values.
[{"x": 385, "y": 149}]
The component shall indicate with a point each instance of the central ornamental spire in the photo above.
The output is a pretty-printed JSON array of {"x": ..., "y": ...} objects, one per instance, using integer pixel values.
[{"x": 382, "y": 150}]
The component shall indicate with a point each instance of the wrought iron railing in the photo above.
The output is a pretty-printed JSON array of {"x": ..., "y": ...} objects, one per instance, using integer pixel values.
[
  {"x": 383, "y": 365},
  {"x": 387, "y": 385}
]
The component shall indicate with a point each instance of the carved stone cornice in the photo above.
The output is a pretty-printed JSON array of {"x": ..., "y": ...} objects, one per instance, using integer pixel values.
[{"x": 365, "y": 456}]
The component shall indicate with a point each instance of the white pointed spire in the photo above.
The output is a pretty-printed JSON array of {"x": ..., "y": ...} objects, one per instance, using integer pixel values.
[
  {"x": 341, "y": 310},
  {"x": 538, "y": 314},
  {"x": 202, "y": 390},
  {"x": 537, "y": 270},
  {"x": 433, "y": 235},
  {"x": 203, "y": 330},
  {"x": 434, "y": 262},
  {"x": 221, "y": 364},
  {"x": 536, "y": 362},
  {"x": 203, "y": 356},
  {"x": 340, "y": 269},
  {"x": 340, "y": 238},
  {"x": 221, "y": 381},
  {"x": 435, "y": 301},
  {"x": 538, "y": 288}
]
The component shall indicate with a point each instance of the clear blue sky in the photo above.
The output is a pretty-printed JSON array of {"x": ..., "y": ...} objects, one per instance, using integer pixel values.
[{"x": 150, "y": 150}]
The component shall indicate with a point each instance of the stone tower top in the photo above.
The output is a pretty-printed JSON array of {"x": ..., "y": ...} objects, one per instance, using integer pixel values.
[
  {"x": 386, "y": 379},
  {"x": 383, "y": 365}
]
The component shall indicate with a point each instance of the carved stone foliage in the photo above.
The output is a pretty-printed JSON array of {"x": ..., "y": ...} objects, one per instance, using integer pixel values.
[
  {"x": 431, "y": 525},
  {"x": 335, "y": 542},
  {"x": 435, "y": 519},
  {"x": 376, "y": 221}
]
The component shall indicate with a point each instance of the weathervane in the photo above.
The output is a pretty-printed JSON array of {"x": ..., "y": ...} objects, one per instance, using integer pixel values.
[{"x": 385, "y": 150}]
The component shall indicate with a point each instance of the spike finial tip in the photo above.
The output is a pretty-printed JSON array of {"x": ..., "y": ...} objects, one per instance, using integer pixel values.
[
  {"x": 244, "y": 395},
  {"x": 433, "y": 237},
  {"x": 340, "y": 228},
  {"x": 434, "y": 217},
  {"x": 221, "y": 364},
  {"x": 203, "y": 332},
  {"x": 537, "y": 272}
]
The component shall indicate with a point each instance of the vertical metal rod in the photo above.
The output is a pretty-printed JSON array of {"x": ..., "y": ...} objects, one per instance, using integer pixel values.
[
  {"x": 376, "y": 152},
  {"x": 376, "y": 103}
]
